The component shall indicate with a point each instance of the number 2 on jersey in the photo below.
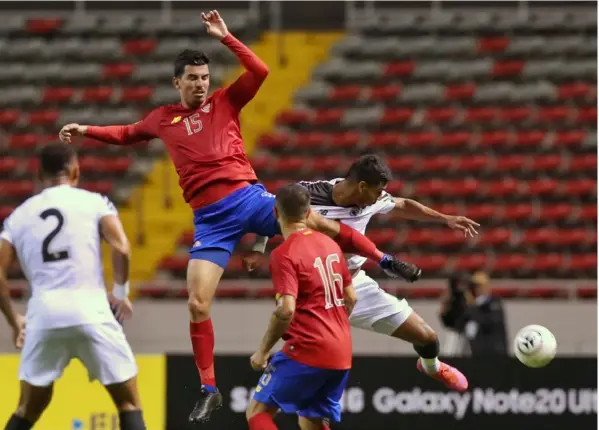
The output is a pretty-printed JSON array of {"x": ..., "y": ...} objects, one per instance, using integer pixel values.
[
  {"x": 47, "y": 256},
  {"x": 331, "y": 280}
]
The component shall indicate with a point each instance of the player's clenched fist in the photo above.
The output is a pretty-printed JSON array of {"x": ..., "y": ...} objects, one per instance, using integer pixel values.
[
  {"x": 71, "y": 130},
  {"x": 259, "y": 360},
  {"x": 215, "y": 25}
]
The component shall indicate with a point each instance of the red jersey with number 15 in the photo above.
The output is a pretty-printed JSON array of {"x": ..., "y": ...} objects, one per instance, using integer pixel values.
[{"x": 310, "y": 267}]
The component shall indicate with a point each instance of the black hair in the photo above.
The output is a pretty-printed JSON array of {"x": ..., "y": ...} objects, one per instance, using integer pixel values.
[
  {"x": 370, "y": 169},
  {"x": 293, "y": 201},
  {"x": 189, "y": 57},
  {"x": 55, "y": 158}
]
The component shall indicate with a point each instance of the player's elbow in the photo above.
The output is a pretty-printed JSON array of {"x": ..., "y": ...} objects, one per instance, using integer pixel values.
[
  {"x": 262, "y": 72},
  {"x": 285, "y": 312},
  {"x": 122, "y": 247}
]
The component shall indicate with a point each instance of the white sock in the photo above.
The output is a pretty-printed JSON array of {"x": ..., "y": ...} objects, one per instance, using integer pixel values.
[{"x": 430, "y": 365}]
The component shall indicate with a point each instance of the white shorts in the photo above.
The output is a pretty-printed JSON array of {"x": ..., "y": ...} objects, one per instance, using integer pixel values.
[
  {"x": 102, "y": 348},
  {"x": 377, "y": 310}
]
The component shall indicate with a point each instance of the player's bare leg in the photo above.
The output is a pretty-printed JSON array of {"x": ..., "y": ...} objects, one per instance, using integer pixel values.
[
  {"x": 313, "y": 424},
  {"x": 260, "y": 416},
  {"x": 126, "y": 399},
  {"x": 32, "y": 403},
  {"x": 202, "y": 280},
  {"x": 424, "y": 339}
]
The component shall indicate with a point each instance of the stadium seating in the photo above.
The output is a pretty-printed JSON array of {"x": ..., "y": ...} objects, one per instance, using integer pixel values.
[{"x": 490, "y": 114}]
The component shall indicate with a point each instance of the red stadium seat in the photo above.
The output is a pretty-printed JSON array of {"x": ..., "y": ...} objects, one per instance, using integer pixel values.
[
  {"x": 510, "y": 262},
  {"x": 470, "y": 262},
  {"x": 532, "y": 138},
  {"x": 554, "y": 114},
  {"x": 326, "y": 164},
  {"x": 574, "y": 90},
  {"x": 293, "y": 117},
  {"x": 139, "y": 47},
  {"x": 347, "y": 92},
  {"x": 9, "y": 117},
  {"x": 311, "y": 139},
  {"x": 432, "y": 187},
  {"x": 384, "y": 139},
  {"x": 583, "y": 262},
  {"x": 463, "y": 187},
  {"x": 495, "y": 238},
  {"x": 587, "y": 114},
  {"x": 401, "y": 68},
  {"x": 504, "y": 187},
  {"x": 480, "y": 213},
  {"x": 5, "y": 211},
  {"x": 542, "y": 236},
  {"x": 437, "y": 163},
  {"x": 439, "y": 114},
  {"x": 383, "y": 237},
  {"x": 418, "y": 237},
  {"x": 47, "y": 117},
  {"x": 59, "y": 94},
  {"x": 448, "y": 238},
  {"x": 546, "y": 163},
  {"x": 516, "y": 114},
  {"x": 419, "y": 139},
  {"x": 543, "y": 186},
  {"x": 570, "y": 137},
  {"x": 503, "y": 68},
  {"x": 261, "y": 162},
  {"x": 494, "y": 139},
  {"x": 574, "y": 237},
  {"x": 43, "y": 25},
  {"x": 460, "y": 91},
  {"x": 448, "y": 208},
  {"x": 396, "y": 115},
  {"x": 510, "y": 163},
  {"x": 480, "y": 114},
  {"x": 102, "y": 187},
  {"x": 556, "y": 212},
  {"x": 288, "y": 164},
  {"x": 136, "y": 94},
  {"x": 551, "y": 262},
  {"x": 403, "y": 163},
  {"x": 428, "y": 263},
  {"x": 583, "y": 163},
  {"x": 473, "y": 164},
  {"x": 518, "y": 212},
  {"x": 588, "y": 213},
  {"x": 97, "y": 94},
  {"x": 579, "y": 187},
  {"x": 118, "y": 71},
  {"x": 327, "y": 116},
  {"x": 487, "y": 45},
  {"x": 348, "y": 139},
  {"x": 455, "y": 139},
  {"x": 384, "y": 92},
  {"x": 274, "y": 140},
  {"x": 17, "y": 189},
  {"x": 8, "y": 165}
]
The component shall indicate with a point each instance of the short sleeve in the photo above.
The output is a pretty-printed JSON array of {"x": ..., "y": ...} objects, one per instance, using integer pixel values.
[
  {"x": 7, "y": 231},
  {"x": 284, "y": 275},
  {"x": 386, "y": 203},
  {"x": 105, "y": 207}
]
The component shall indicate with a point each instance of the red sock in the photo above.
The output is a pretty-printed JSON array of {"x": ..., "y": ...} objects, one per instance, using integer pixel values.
[
  {"x": 354, "y": 242},
  {"x": 202, "y": 341},
  {"x": 262, "y": 421}
]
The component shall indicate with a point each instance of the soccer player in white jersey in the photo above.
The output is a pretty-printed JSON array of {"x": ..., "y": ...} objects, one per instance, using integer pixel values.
[
  {"x": 56, "y": 236},
  {"x": 353, "y": 200}
]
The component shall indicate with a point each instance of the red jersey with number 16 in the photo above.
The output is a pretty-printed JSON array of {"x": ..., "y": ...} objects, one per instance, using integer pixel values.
[{"x": 310, "y": 267}]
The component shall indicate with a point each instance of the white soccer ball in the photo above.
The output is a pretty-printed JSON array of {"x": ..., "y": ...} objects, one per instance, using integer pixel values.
[{"x": 535, "y": 346}]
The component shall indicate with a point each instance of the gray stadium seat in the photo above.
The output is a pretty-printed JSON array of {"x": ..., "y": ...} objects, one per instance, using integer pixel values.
[
  {"x": 35, "y": 73},
  {"x": 447, "y": 46},
  {"x": 525, "y": 45},
  {"x": 542, "y": 68},
  {"x": 165, "y": 95},
  {"x": 102, "y": 49},
  {"x": 120, "y": 24},
  {"x": 12, "y": 72},
  {"x": 80, "y": 24},
  {"x": 535, "y": 91},
  {"x": 81, "y": 71},
  {"x": 422, "y": 92},
  {"x": 120, "y": 116},
  {"x": 359, "y": 117},
  {"x": 84, "y": 115},
  {"x": 316, "y": 90},
  {"x": 24, "y": 48},
  {"x": 20, "y": 95},
  {"x": 495, "y": 92},
  {"x": 153, "y": 72}
]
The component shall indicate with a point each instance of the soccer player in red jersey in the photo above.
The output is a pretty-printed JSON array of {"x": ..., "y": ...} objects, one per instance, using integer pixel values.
[
  {"x": 315, "y": 298},
  {"x": 202, "y": 135}
]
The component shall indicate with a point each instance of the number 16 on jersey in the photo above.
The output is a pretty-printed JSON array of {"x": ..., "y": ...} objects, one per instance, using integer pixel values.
[{"x": 331, "y": 280}]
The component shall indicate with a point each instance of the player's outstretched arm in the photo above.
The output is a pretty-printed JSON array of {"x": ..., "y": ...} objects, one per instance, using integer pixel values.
[
  {"x": 412, "y": 210},
  {"x": 354, "y": 242},
  {"x": 14, "y": 319},
  {"x": 247, "y": 85},
  {"x": 114, "y": 134},
  {"x": 113, "y": 232}
]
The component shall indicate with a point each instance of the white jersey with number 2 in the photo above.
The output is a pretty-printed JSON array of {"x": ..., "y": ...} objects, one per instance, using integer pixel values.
[{"x": 56, "y": 234}]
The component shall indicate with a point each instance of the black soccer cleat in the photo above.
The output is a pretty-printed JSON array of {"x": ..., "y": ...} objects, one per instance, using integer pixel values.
[
  {"x": 206, "y": 404},
  {"x": 400, "y": 269}
]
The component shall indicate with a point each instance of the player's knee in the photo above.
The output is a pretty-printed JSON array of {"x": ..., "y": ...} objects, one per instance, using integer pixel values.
[{"x": 199, "y": 308}]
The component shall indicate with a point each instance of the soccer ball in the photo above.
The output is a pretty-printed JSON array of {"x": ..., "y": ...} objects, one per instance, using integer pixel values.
[{"x": 535, "y": 346}]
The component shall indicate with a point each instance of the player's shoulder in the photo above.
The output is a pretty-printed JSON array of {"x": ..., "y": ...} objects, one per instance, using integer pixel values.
[{"x": 321, "y": 192}]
